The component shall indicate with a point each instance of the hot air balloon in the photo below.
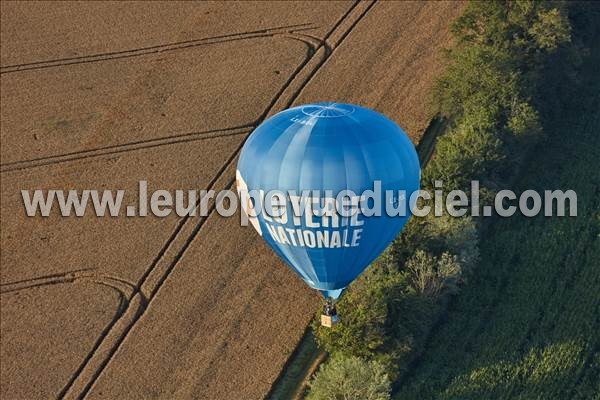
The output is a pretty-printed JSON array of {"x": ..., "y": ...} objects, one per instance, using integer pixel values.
[{"x": 321, "y": 150}]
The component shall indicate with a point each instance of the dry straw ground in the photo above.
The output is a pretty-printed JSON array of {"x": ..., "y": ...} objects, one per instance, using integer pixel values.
[{"x": 102, "y": 95}]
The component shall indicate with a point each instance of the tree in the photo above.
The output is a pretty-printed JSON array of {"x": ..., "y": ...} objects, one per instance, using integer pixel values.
[
  {"x": 382, "y": 318},
  {"x": 463, "y": 154},
  {"x": 489, "y": 95},
  {"x": 367, "y": 313},
  {"x": 435, "y": 235},
  {"x": 550, "y": 29},
  {"x": 458, "y": 236},
  {"x": 522, "y": 27},
  {"x": 493, "y": 70},
  {"x": 432, "y": 276},
  {"x": 350, "y": 378}
]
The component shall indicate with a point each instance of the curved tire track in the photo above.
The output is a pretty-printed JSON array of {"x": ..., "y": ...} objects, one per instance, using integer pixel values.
[{"x": 155, "y": 49}]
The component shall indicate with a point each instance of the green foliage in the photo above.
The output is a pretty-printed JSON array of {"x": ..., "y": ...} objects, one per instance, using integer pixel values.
[
  {"x": 526, "y": 326},
  {"x": 465, "y": 153},
  {"x": 350, "y": 378},
  {"x": 436, "y": 235},
  {"x": 489, "y": 93},
  {"x": 375, "y": 323},
  {"x": 431, "y": 276},
  {"x": 550, "y": 29},
  {"x": 491, "y": 75},
  {"x": 384, "y": 318},
  {"x": 523, "y": 119},
  {"x": 369, "y": 311},
  {"x": 478, "y": 81},
  {"x": 459, "y": 236},
  {"x": 521, "y": 27}
]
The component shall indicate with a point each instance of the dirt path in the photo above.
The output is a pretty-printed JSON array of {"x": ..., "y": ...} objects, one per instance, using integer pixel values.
[{"x": 103, "y": 97}]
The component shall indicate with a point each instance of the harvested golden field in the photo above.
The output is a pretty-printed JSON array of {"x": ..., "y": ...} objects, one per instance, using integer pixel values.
[{"x": 103, "y": 95}]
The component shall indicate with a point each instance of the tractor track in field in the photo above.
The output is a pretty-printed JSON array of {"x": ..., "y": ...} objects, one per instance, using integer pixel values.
[
  {"x": 117, "y": 149},
  {"x": 288, "y": 30},
  {"x": 176, "y": 269},
  {"x": 183, "y": 235}
]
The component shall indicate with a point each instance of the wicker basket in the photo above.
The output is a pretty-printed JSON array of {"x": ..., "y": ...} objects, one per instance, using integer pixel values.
[{"x": 329, "y": 320}]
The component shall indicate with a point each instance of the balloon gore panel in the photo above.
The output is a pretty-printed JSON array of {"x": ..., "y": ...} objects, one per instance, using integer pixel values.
[{"x": 329, "y": 148}]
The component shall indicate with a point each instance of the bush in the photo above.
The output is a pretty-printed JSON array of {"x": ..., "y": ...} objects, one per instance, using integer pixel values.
[{"x": 350, "y": 378}]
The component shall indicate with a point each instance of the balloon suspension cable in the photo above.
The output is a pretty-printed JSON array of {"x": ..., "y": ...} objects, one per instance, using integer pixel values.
[{"x": 329, "y": 307}]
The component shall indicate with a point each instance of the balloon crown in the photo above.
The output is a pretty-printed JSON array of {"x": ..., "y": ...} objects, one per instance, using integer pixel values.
[{"x": 328, "y": 110}]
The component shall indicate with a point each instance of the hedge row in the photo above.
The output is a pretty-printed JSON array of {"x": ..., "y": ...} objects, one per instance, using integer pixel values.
[{"x": 490, "y": 94}]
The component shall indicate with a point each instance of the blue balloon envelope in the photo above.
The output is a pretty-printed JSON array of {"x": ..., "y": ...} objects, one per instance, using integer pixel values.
[{"x": 329, "y": 148}]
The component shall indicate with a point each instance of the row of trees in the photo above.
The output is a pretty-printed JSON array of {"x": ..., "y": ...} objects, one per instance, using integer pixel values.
[
  {"x": 526, "y": 326},
  {"x": 487, "y": 95}
]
